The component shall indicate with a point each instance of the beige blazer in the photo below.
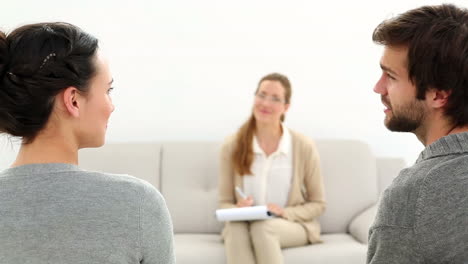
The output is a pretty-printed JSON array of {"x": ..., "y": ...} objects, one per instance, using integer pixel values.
[{"x": 306, "y": 201}]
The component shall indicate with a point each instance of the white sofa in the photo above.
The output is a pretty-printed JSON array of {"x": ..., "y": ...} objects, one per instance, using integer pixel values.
[{"x": 186, "y": 174}]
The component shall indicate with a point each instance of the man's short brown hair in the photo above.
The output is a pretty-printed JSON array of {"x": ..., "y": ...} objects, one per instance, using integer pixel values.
[{"x": 437, "y": 42}]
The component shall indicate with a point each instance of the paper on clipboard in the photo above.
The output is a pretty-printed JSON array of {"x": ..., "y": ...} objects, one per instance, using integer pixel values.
[{"x": 244, "y": 213}]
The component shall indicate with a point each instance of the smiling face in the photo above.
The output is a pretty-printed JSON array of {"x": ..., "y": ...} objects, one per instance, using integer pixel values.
[
  {"x": 403, "y": 112},
  {"x": 96, "y": 107},
  {"x": 269, "y": 103}
]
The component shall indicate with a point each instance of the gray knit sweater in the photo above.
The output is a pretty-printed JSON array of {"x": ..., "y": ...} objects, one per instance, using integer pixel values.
[
  {"x": 58, "y": 213},
  {"x": 423, "y": 215}
]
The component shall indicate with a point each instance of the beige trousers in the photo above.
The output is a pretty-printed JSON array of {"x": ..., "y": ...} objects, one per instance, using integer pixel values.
[{"x": 261, "y": 241}]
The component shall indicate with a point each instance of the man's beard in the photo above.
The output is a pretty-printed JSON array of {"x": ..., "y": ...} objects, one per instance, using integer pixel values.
[{"x": 405, "y": 118}]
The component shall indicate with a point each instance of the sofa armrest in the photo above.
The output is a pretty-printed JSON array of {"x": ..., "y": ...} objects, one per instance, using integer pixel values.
[{"x": 360, "y": 225}]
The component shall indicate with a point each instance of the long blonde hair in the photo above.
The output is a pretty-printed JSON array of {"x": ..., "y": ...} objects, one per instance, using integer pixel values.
[{"x": 242, "y": 156}]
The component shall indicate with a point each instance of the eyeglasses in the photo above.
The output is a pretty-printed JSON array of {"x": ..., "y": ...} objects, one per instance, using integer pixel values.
[{"x": 273, "y": 99}]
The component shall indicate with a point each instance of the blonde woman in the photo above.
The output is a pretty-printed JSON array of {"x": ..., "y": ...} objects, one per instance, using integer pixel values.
[{"x": 274, "y": 166}]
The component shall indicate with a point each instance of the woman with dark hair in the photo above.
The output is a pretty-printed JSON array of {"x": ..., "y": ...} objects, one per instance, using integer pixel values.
[
  {"x": 276, "y": 167},
  {"x": 55, "y": 95}
]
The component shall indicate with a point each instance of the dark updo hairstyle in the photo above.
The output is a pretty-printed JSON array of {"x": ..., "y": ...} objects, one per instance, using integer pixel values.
[{"x": 37, "y": 61}]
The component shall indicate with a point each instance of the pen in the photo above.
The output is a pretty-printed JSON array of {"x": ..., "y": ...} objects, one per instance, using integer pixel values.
[{"x": 241, "y": 194}]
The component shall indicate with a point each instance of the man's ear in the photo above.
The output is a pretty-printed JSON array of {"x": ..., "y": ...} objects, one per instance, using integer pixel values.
[
  {"x": 438, "y": 98},
  {"x": 70, "y": 98}
]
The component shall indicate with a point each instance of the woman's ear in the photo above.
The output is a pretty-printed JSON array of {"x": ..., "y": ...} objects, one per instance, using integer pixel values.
[{"x": 70, "y": 98}]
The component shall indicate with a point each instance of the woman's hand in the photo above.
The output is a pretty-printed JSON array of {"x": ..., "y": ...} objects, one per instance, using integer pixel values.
[
  {"x": 245, "y": 202},
  {"x": 276, "y": 209}
]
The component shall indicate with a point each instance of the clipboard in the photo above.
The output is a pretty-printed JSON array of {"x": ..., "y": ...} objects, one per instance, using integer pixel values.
[{"x": 244, "y": 214}]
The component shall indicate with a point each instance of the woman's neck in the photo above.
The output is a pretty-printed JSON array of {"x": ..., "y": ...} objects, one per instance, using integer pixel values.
[
  {"x": 268, "y": 136},
  {"x": 47, "y": 149}
]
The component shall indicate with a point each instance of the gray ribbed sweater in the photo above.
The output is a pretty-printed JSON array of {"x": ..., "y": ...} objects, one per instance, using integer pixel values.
[
  {"x": 58, "y": 213},
  {"x": 423, "y": 215}
]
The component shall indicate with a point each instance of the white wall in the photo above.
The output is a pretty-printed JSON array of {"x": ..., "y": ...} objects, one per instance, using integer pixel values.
[{"x": 187, "y": 70}]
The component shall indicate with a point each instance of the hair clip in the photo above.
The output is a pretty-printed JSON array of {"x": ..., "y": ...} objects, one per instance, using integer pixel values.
[
  {"x": 46, "y": 59},
  {"x": 13, "y": 77}
]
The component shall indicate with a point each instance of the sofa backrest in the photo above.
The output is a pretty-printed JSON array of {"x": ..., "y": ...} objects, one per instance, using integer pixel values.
[
  {"x": 190, "y": 174},
  {"x": 350, "y": 179},
  {"x": 141, "y": 160},
  {"x": 189, "y": 183},
  {"x": 187, "y": 175}
]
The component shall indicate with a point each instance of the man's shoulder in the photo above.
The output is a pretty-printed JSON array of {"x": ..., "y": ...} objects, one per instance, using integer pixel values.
[
  {"x": 423, "y": 189},
  {"x": 399, "y": 201},
  {"x": 441, "y": 209},
  {"x": 448, "y": 167},
  {"x": 436, "y": 176},
  {"x": 431, "y": 171},
  {"x": 443, "y": 191}
]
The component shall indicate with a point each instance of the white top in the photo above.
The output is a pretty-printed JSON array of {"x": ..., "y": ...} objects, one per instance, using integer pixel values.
[{"x": 272, "y": 175}]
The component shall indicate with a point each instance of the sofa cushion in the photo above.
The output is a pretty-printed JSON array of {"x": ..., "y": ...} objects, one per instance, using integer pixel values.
[
  {"x": 208, "y": 248},
  {"x": 336, "y": 248},
  {"x": 359, "y": 227},
  {"x": 350, "y": 179},
  {"x": 199, "y": 249},
  {"x": 140, "y": 160}
]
